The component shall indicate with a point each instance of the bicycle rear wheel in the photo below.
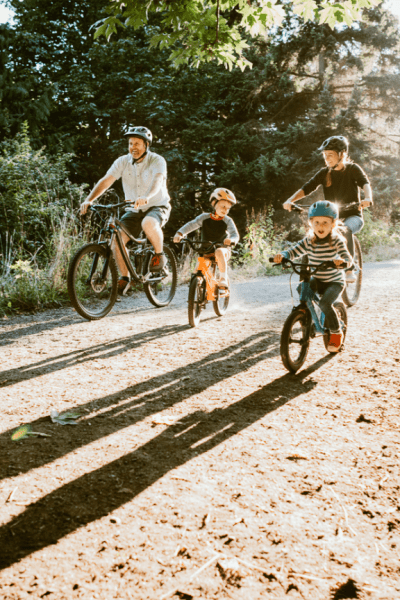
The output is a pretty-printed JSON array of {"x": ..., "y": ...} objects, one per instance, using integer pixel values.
[
  {"x": 342, "y": 314},
  {"x": 295, "y": 340},
  {"x": 161, "y": 287},
  {"x": 92, "y": 281},
  {"x": 351, "y": 292},
  {"x": 196, "y": 302}
]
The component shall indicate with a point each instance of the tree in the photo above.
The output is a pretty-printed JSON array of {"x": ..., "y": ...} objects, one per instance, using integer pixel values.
[{"x": 200, "y": 31}]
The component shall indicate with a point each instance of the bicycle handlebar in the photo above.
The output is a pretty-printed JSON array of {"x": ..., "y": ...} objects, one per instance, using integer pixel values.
[
  {"x": 211, "y": 245},
  {"x": 327, "y": 264},
  {"x": 301, "y": 208}
]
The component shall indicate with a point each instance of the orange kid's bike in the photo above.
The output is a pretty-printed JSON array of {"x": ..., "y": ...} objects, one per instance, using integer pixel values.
[{"x": 203, "y": 287}]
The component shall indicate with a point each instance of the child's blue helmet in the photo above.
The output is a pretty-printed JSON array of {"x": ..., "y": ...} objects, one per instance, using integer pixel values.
[{"x": 323, "y": 208}]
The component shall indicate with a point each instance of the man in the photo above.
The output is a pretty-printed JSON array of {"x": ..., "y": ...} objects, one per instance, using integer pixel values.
[{"x": 144, "y": 176}]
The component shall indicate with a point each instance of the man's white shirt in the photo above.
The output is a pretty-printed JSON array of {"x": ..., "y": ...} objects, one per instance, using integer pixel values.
[{"x": 137, "y": 179}]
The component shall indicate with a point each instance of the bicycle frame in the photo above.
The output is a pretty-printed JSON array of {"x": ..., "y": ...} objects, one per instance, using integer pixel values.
[
  {"x": 308, "y": 296},
  {"x": 114, "y": 228},
  {"x": 204, "y": 266}
]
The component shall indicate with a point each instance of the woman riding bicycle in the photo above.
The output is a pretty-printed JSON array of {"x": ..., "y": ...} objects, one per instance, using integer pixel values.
[{"x": 341, "y": 180}]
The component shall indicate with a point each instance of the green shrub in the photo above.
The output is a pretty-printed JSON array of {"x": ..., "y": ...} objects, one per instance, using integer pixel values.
[{"x": 34, "y": 193}]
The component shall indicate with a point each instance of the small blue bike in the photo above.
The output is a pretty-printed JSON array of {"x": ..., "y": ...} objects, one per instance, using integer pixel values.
[{"x": 306, "y": 321}]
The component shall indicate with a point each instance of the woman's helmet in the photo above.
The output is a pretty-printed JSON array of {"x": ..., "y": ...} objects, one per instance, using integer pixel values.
[
  {"x": 140, "y": 132},
  {"x": 222, "y": 194},
  {"x": 323, "y": 208},
  {"x": 338, "y": 143}
]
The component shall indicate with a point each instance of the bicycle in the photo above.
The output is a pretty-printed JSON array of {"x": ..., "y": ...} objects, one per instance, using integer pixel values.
[
  {"x": 306, "y": 321},
  {"x": 203, "y": 287},
  {"x": 93, "y": 273},
  {"x": 351, "y": 292}
]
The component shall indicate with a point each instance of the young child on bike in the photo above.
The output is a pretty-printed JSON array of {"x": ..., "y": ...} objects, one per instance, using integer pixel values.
[
  {"x": 341, "y": 180},
  {"x": 324, "y": 243},
  {"x": 216, "y": 227}
]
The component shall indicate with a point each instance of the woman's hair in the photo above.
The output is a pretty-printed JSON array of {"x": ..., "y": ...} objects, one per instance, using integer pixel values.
[
  {"x": 346, "y": 161},
  {"x": 333, "y": 235}
]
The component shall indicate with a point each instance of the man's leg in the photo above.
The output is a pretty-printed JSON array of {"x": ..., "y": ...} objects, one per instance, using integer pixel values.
[
  {"x": 352, "y": 225},
  {"x": 152, "y": 228}
]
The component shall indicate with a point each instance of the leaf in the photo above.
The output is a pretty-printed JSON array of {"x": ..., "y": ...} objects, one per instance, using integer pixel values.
[
  {"x": 68, "y": 418},
  {"x": 21, "y": 433}
]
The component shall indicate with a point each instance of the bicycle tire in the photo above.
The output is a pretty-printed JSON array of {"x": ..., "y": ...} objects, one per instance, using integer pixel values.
[
  {"x": 154, "y": 291},
  {"x": 221, "y": 305},
  {"x": 351, "y": 292},
  {"x": 300, "y": 318},
  {"x": 342, "y": 314},
  {"x": 197, "y": 292},
  {"x": 91, "y": 303}
]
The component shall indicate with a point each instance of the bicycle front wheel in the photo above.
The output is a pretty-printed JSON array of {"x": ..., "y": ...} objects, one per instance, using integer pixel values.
[
  {"x": 295, "y": 340},
  {"x": 161, "y": 287},
  {"x": 92, "y": 281},
  {"x": 351, "y": 292},
  {"x": 196, "y": 303}
]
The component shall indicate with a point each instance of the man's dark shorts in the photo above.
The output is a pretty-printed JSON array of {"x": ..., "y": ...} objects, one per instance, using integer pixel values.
[{"x": 133, "y": 220}]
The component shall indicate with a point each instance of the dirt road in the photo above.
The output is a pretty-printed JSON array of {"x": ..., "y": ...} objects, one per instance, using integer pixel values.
[{"x": 196, "y": 448}]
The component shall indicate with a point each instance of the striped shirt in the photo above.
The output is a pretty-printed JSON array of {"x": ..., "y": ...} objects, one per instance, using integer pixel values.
[{"x": 318, "y": 253}]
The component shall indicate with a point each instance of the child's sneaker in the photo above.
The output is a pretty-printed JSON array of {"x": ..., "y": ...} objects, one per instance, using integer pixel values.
[
  {"x": 223, "y": 281},
  {"x": 335, "y": 342}
]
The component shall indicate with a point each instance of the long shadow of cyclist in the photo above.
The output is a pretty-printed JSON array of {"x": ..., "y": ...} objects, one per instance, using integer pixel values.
[
  {"x": 124, "y": 408},
  {"x": 54, "y": 516}
]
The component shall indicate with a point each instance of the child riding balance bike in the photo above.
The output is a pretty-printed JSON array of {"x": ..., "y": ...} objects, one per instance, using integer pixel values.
[
  {"x": 324, "y": 243},
  {"x": 218, "y": 234}
]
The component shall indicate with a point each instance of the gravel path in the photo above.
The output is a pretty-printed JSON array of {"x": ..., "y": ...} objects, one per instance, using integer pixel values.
[{"x": 194, "y": 442}]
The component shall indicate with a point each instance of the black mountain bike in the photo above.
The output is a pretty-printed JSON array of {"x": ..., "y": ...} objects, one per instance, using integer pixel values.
[
  {"x": 351, "y": 292},
  {"x": 93, "y": 273}
]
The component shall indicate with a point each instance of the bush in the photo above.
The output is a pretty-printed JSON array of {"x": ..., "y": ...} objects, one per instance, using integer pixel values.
[
  {"x": 39, "y": 228},
  {"x": 262, "y": 239},
  {"x": 378, "y": 239},
  {"x": 34, "y": 193}
]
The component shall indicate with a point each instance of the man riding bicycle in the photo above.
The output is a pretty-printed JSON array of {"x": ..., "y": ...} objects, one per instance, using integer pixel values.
[
  {"x": 341, "y": 180},
  {"x": 144, "y": 176}
]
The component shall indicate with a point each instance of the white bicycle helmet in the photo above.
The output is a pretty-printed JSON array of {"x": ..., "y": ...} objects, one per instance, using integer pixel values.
[
  {"x": 222, "y": 194},
  {"x": 140, "y": 132}
]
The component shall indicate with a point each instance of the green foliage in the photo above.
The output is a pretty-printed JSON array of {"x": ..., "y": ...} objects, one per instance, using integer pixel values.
[
  {"x": 199, "y": 31},
  {"x": 34, "y": 194},
  {"x": 261, "y": 240},
  {"x": 376, "y": 233}
]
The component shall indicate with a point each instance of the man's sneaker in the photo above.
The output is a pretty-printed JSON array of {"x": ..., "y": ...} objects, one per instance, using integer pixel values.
[
  {"x": 158, "y": 263},
  {"x": 223, "y": 282},
  {"x": 335, "y": 342},
  {"x": 350, "y": 277},
  {"x": 122, "y": 284}
]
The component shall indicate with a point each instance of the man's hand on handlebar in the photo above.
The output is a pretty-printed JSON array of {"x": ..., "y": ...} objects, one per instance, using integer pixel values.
[
  {"x": 366, "y": 203},
  {"x": 141, "y": 202}
]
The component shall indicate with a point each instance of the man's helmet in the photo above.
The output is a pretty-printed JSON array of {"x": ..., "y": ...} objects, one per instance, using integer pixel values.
[
  {"x": 140, "y": 132},
  {"x": 338, "y": 143},
  {"x": 323, "y": 208},
  {"x": 222, "y": 194}
]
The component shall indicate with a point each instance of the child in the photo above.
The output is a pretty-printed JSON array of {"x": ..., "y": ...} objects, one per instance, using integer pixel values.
[
  {"x": 216, "y": 227},
  {"x": 323, "y": 242}
]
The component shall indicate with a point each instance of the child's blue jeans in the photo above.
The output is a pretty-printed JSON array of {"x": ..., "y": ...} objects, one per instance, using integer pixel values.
[{"x": 330, "y": 292}]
